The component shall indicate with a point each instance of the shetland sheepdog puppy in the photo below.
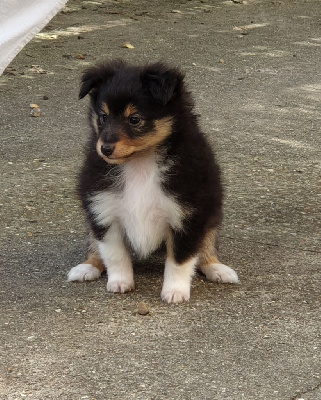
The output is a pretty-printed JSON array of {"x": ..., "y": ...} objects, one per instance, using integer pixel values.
[{"x": 149, "y": 178}]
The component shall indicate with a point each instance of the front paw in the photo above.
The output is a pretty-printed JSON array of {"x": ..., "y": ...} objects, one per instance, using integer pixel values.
[
  {"x": 175, "y": 296},
  {"x": 120, "y": 286},
  {"x": 83, "y": 272}
]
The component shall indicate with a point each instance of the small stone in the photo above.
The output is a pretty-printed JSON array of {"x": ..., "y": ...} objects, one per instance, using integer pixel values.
[
  {"x": 45, "y": 98},
  {"x": 35, "y": 112},
  {"x": 142, "y": 308}
]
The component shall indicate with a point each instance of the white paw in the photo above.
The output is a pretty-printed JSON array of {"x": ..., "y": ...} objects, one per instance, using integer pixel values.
[
  {"x": 221, "y": 273},
  {"x": 83, "y": 272},
  {"x": 120, "y": 286},
  {"x": 175, "y": 296},
  {"x": 177, "y": 280}
]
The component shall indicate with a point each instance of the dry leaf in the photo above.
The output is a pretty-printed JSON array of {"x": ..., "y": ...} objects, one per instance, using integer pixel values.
[
  {"x": 128, "y": 46},
  {"x": 36, "y": 69},
  {"x": 33, "y": 105}
]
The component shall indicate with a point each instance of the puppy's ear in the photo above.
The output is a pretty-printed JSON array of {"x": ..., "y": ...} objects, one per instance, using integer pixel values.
[
  {"x": 163, "y": 83},
  {"x": 95, "y": 76},
  {"x": 90, "y": 79}
]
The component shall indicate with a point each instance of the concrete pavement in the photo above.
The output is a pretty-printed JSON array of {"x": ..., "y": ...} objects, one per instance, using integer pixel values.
[{"x": 253, "y": 67}]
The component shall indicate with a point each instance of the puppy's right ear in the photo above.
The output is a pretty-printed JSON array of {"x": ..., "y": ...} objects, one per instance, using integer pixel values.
[
  {"x": 89, "y": 80},
  {"x": 95, "y": 76}
]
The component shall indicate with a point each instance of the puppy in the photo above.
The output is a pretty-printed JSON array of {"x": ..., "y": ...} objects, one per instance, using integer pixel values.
[{"x": 149, "y": 177}]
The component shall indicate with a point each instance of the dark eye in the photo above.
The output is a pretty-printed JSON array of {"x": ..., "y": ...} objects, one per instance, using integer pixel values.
[
  {"x": 133, "y": 120},
  {"x": 102, "y": 118}
]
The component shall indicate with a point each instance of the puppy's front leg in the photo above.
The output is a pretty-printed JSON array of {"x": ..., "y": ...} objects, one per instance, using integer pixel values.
[
  {"x": 117, "y": 260},
  {"x": 177, "y": 276}
]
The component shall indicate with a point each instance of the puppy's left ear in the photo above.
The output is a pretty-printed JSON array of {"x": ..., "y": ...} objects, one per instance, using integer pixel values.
[{"x": 162, "y": 83}]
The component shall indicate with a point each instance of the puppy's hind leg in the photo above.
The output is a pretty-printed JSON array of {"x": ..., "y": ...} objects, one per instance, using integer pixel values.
[
  {"x": 209, "y": 264},
  {"x": 89, "y": 270}
]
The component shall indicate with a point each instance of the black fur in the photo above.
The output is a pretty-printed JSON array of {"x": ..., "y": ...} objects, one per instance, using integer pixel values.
[{"x": 157, "y": 91}]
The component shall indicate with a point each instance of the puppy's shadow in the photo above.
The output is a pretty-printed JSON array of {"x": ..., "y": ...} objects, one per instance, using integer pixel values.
[{"x": 153, "y": 266}]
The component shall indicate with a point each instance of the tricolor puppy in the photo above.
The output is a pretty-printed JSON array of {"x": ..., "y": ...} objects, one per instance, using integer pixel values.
[{"x": 149, "y": 177}]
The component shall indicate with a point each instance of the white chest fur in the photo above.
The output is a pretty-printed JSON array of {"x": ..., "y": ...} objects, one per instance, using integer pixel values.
[{"x": 141, "y": 207}]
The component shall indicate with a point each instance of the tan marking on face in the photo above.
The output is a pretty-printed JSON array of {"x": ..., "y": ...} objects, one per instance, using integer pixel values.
[
  {"x": 163, "y": 128},
  {"x": 208, "y": 253},
  {"x": 127, "y": 148},
  {"x": 126, "y": 145},
  {"x": 130, "y": 110},
  {"x": 105, "y": 108},
  {"x": 94, "y": 121}
]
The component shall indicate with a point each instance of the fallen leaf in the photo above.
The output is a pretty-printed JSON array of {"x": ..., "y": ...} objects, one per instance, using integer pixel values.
[
  {"x": 127, "y": 46},
  {"x": 36, "y": 69}
]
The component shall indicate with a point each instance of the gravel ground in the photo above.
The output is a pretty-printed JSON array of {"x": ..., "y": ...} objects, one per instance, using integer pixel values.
[{"x": 253, "y": 67}]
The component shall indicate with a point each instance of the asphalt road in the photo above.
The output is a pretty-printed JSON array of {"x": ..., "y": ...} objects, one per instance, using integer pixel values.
[{"x": 254, "y": 69}]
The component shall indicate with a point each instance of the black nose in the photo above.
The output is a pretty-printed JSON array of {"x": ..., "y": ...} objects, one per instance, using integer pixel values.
[{"x": 107, "y": 149}]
